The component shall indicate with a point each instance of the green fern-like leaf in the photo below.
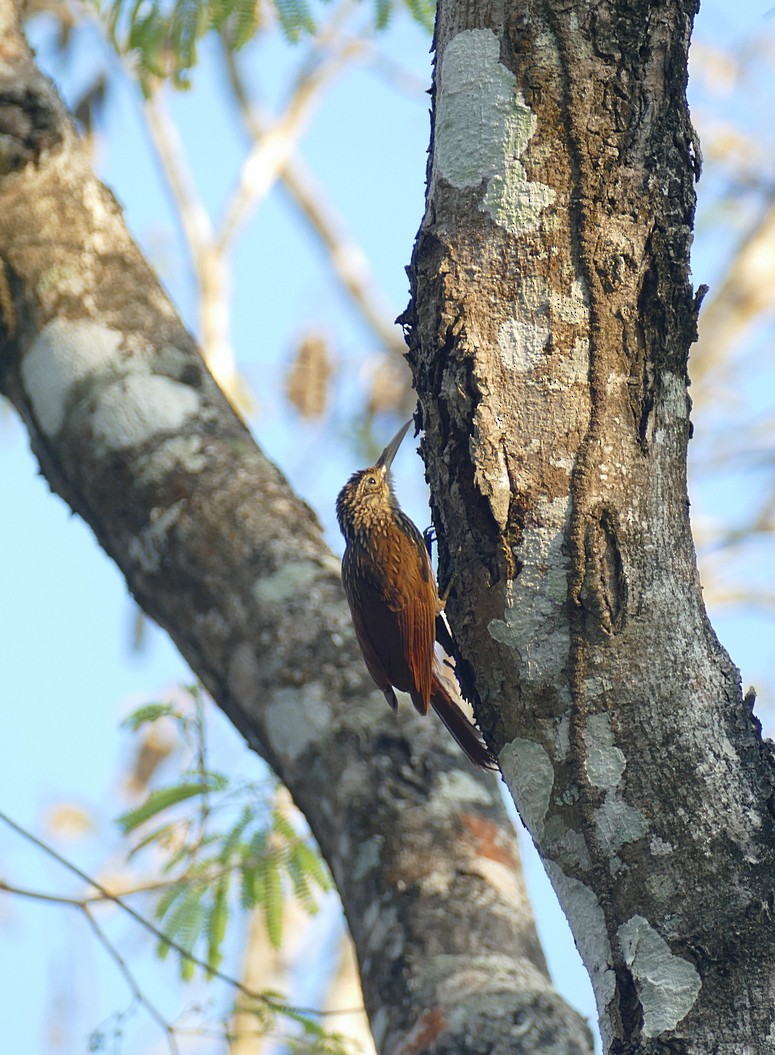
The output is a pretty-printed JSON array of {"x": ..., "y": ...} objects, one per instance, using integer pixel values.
[
  {"x": 248, "y": 887},
  {"x": 150, "y": 712},
  {"x": 295, "y": 18},
  {"x": 422, "y": 11},
  {"x": 185, "y": 923},
  {"x": 190, "y": 21},
  {"x": 168, "y": 899},
  {"x": 155, "y": 836},
  {"x": 272, "y": 899},
  {"x": 283, "y": 825},
  {"x": 188, "y": 852},
  {"x": 312, "y": 864},
  {"x": 233, "y": 839},
  {"x": 301, "y": 885},
  {"x": 382, "y": 12},
  {"x": 162, "y": 798},
  {"x": 245, "y": 22},
  {"x": 217, "y": 922}
]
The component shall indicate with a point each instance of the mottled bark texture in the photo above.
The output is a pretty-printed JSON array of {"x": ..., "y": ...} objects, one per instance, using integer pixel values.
[
  {"x": 131, "y": 430},
  {"x": 550, "y": 326}
]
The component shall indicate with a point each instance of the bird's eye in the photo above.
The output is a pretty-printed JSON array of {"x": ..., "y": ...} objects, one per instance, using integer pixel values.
[{"x": 371, "y": 481}]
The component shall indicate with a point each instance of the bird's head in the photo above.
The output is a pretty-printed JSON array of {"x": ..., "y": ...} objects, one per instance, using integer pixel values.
[{"x": 367, "y": 498}]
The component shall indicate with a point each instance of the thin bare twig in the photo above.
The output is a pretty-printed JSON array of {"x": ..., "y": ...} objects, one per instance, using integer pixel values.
[
  {"x": 131, "y": 981},
  {"x": 348, "y": 260},
  {"x": 82, "y": 904},
  {"x": 209, "y": 263},
  {"x": 271, "y": 150}
]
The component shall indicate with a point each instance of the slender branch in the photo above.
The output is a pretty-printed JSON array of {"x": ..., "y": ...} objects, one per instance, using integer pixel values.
[
  {"x": 197, "y": 227},
  {"x": 348, "y": 260},
  {"x": 131, "y": 981},
  {"x": 744, "y": 295},
  {"x": 136, "y": 916},
  {"x": 106, "y": 895},
  {"x": 209, "y": 263},
  {"x": 37, "y": 895},
  {"x": 273, "y": 148}
]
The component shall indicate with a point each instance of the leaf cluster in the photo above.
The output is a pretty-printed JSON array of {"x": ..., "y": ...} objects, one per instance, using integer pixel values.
[
  {"x": 258, "y": 859},
  {"x": 162, "y": 36}
]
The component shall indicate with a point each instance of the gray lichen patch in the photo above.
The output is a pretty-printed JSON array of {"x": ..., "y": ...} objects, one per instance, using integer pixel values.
[
  {"x": 536, "y": 625},
  {"x": 287, "y": 582},
  {"x": 587, "y": 919},
  {"x": 617, "y": 823},
  {"x": 138, "y": 407},
  {"x": 173, "y": 454},
  {"x": 298, "y": 719},
  {"x": 667, "y": 985},
  {"x": 148, "y": 547},
  {"x": 530, "y": 775},
  {"x": 64, "y": 352},
  {"x": 454, "y": 787},
  {"x": 604, "y": 763},
  {"x": 483, "y": 126},
  {"x": 368, "y": 857}
]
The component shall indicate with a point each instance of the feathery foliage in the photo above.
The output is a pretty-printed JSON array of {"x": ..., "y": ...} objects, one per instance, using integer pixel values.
[
  {"x": 254, "y": 856},
  {"x": 161, "y": 36}
]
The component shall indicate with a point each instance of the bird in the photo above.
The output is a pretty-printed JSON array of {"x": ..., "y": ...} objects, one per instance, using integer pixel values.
[{"x": 394, "y": 602}]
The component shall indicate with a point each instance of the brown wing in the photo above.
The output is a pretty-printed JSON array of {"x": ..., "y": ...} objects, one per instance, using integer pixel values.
[{"x": 394, "y": 610}]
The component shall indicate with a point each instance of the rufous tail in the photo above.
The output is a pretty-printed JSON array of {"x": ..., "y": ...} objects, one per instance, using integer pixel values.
[{"x": 456, "y": 720}]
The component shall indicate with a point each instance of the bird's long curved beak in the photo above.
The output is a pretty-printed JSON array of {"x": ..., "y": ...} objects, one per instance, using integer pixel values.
[{"x": 389, "y": 453}]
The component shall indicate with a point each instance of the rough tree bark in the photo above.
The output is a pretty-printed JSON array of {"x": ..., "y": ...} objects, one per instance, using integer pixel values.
[
  {"x": 550, "y": 327},
  {"x": 131, "y": 431}
]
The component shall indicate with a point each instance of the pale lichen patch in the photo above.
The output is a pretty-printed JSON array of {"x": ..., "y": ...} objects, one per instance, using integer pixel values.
[
  {"x": 64, "y": 352},
  {"x": 562, "y": 736},
  {"x": 587, "y": 918},
  {"x": 658, "y": 847},
  {"x": 384, "y": 936},
  {"x": 604, "y": 763},
  {"x": 567, "y": 846},
  {"x": 500, "y": 877},
  {"x": 457, "y": 979},
  {"x": 529, "y": 772},
  {"x": 298, "y": 719},
  {"x": 493, "y": 481},
  {"x": 617, "y": 823},
  {"x": 522, "y": 344},
  {"x": 174, "y": 454},
  {"x": 675, "y": 399},
  {"x": 147, "y": 549},
  {"x": 454, "y": 787},
  {"x": 380, "y": 1023},
  {"x": 470, "y": 150},
  {"x": 667, "y": 985},
  {"x": 289, "y": 581},
  {"x": 536, "y": 626},
  {"x": 136, "y": 408},
  {"x": 244, "y": 674}
]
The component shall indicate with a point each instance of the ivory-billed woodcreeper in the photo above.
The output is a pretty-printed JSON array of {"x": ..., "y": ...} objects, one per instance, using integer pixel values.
[{"x": 393, "y": 599}]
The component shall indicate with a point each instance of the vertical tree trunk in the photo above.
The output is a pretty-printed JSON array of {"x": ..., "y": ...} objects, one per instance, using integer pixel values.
[
  {"x": 131, "y": 430},
  {"x": 550, "y": 326}
]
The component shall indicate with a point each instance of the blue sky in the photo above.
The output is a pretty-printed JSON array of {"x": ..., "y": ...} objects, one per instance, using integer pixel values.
[{"x": 69, "y": 671}]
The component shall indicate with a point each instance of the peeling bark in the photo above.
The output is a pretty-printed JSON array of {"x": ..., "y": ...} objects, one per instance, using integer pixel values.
[
  {"x": 132, "y": 432},
  {"x": 550, "y": 326}
]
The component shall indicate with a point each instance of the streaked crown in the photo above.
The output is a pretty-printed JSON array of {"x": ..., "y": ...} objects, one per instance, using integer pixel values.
[{"x": 367, "y": 504}]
